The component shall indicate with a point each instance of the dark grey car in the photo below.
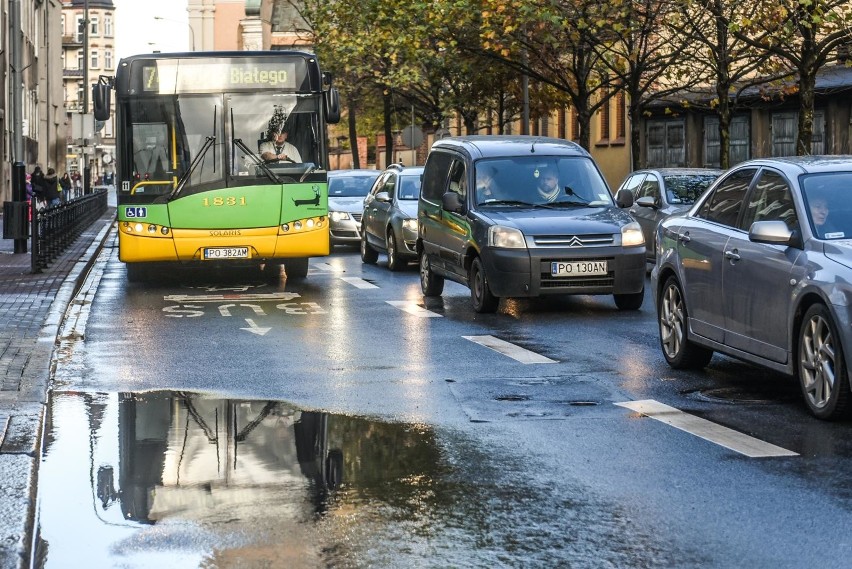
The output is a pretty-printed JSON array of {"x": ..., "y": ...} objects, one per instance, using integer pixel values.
[
  {"x": 346, "y": 192},
  {"x": 659, "y": 193},
  {"x": 523, "y": 216},
  {"x": 761, "y": 269},
  {"x": 389, "y": 222}
]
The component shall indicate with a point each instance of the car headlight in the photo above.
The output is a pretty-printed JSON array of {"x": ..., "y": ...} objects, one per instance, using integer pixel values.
[
  {"x": 631, "y": 235},
  {"x": 410, "y": 224},
  {"x": 507, "y": 237},
  {"x": 338, "y": 215}
]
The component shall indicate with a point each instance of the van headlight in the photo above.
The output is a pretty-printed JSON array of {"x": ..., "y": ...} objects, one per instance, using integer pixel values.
[
  {"x": 631, "y": 235},
  {"x": 506, "y": 237}
]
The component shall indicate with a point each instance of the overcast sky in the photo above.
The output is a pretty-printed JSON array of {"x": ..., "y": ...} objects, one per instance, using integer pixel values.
[{"x": 137, "y": 30}]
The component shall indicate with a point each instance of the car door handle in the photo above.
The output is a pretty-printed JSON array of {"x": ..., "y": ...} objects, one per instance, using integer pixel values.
[
  {"x": 732, "y": 255},
  {"x": 633, "y": 210},
  {"x": 684, "y": 237}
]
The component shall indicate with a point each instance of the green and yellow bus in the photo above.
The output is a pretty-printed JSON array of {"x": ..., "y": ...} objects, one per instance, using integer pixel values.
[{"x": 195, "y": 182}]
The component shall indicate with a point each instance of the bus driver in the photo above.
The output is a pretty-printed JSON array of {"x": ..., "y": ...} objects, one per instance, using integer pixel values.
[{"x": 276, "y": 148}]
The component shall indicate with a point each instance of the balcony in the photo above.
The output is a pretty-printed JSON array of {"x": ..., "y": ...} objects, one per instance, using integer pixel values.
[
  {"x": 72, "y": 40},
  {"x": 72, "y": 73}
]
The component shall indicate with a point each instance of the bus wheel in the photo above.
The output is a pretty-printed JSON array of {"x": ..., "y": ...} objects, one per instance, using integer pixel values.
[
  {"x": 296, "y": 268},
  {"x": 272, "y": 272},
  {"x": 136, "y": 272}
]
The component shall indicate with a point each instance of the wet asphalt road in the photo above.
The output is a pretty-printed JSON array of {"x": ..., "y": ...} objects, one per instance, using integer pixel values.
[{"x": 214, "y": 420}]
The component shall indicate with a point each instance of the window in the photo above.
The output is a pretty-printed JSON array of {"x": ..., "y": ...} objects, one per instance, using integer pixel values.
[
  {"x": 632, "y": 183},
  {"x": 79, "y": 30},
  {"x": 435, "y": 175},
  {"x": 604, "y": 117},
  {"x": 770, "y": 201},
  {"x": 94, "y": 63},
  {"x": 458, "y": 180},
  {"x": 724, "y": 205},
  {"x": 650, "y": 189},
  {"x": 108, "y": 26},
  {"x": 665, "y": 144},
  {"x": 620, "y": 116},
  {"x": 739, "y": 141},
  {"x": 62, "y": 23},
  {"x": 80, "y": 62},
  {"x": 80, "y": 93},
  {"x": 390, "y": 185},
  {"x": 107, "y": 59},
  {"x": 93, "y": 26}
]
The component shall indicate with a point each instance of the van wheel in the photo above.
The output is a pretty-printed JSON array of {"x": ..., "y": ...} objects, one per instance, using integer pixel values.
[
  {"x": 679, "y": 351},
  {"x": 430, "y": 283},
  {"x": 368, "y": 254},
  {"x": 629, "y": 301},
  {"x": 394, "y": 262},
  {"x": 822, "y": 369},
  {"x": 480, "y": 292}
]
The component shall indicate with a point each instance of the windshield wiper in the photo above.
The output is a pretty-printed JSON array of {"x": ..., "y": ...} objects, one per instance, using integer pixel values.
[
  {"x": 507, "y": 202},
  {"x": 208, "y": 143},
  {"x": 258, "y": 162}
]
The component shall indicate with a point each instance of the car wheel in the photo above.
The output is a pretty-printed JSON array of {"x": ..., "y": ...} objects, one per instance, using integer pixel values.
[
  {"x": 368, "y": 254},
  {"x": 822, "y": 371},
  {"x": 430, "y": 283},
  {"x": 296, "y": 268},
  {"x": 480, "y": 292},
  {"x": 678, "y": 350},
  {"x": 629, "y": 301},
  {"x": 394, "y": 262}
]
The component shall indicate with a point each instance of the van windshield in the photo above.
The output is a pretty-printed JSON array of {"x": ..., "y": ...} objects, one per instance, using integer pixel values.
[{"x": 540, "y": 180}]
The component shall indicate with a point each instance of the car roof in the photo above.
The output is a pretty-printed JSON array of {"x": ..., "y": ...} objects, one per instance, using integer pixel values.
[
  {"x": 495, "y": 146},
  {"x": 354, "y": 172},
  {"x": 680, "y": 171},
  {"x": 805, "y": 164}
]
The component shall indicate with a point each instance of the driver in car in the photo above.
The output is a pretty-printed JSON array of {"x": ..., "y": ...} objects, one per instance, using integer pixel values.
[{"x": 276, "y": 148}]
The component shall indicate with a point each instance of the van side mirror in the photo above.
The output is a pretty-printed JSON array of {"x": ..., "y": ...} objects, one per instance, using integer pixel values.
[
  {"x": 624, "y": 198},
  {"x": 332, "y": 106},
  {"x": 101, "y": 100},
  {"x": 451, "y": 201}
]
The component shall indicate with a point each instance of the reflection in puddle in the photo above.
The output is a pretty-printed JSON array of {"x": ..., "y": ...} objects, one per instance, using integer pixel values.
[{"x": 220, "y": 480}]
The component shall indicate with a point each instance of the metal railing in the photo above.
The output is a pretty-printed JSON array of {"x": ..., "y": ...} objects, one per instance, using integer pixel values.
[{"x": 54, "y": 229}]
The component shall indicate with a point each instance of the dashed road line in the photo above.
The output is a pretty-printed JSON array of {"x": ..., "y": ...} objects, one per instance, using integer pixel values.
[
  {"x": 358, "y": 282},
  {"x": 412, "y": 308},
  {"x": 707, "y": 430},
  {"x": 325, "y": 267},
  {"x": 508, "y": 349}
]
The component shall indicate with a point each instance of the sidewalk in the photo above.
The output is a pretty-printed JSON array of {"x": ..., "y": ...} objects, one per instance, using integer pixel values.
[{"x": 32, "y": 307}]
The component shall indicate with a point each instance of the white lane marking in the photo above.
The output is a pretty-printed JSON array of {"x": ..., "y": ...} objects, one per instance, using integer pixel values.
[
  {"x": 411, "y": 308},
  {"x": 508, "y": 349},
  {"x": 358, "y": 282},
  {"x": 274, "y": 296},
  {"x": 707, "y": 430},
  {"x": 324, "y": 267}
]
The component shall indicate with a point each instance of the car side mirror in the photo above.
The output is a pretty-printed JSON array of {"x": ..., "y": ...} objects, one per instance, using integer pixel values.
[
  {"x": 451, "y": 201},
  {"x": 383, "y": 197},
  {"x": 775, "y": 232},
  {"x": 624, "y": 198},
  {"x": 648, "y": 201}
]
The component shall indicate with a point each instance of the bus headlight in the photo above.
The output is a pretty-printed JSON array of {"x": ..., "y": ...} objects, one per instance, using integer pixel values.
[
  {"x": 138, "y": 227},
  {"x": 631, "y": 235}
]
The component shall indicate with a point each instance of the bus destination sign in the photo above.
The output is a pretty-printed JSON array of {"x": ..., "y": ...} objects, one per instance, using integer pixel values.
[{"x": 186, "y": 75}]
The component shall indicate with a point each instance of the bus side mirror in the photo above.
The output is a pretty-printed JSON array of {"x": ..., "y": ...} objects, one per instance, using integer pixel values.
[
  {"x": 332, "y": 106},
  {"x": 101, "y": 95}
]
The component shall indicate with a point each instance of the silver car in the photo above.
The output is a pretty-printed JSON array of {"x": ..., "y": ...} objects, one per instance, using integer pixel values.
[
  {"x": 761, "y": 269},
  {"x": 659, "y": 193},
  {"x": 346, "y": 191}
]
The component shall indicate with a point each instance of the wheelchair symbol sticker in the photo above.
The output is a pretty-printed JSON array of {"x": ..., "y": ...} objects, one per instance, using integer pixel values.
[{"x": 136, "y": 212}]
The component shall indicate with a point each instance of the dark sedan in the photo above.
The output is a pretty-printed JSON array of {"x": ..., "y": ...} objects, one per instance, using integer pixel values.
[
  {"x": 659, "y": 193},
  {"x": 761, "y": 269}
]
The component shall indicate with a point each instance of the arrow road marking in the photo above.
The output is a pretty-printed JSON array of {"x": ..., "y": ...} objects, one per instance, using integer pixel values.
[
  {"x": 358, "y": 282},
  {"x": 508, "y": 349},
  {"x": 254, "y": 328},
  {"x": 411, "y": 308},
  {"x": 707, "y": 430}
]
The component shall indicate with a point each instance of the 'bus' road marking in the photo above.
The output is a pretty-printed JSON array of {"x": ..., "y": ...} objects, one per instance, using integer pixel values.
[
  {"x": 273, "y": 296},
  {"x": 707, "y": 430},
  {"x": 411, "y": 308},
  {"x": 508, "y": 349},
  {"x": 358, "y": 282}
]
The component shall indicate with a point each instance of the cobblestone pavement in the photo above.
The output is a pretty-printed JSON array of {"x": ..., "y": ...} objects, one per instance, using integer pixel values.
[{"x": 32, "y": 307}]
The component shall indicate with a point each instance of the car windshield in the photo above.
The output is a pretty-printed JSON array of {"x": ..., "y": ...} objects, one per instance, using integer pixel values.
[
  {"x": 686, "y": 188},
  {"x": 409, "y": 187},
  {"x": 344, "y": 186},
  {"x": 829, "y": 206},
  {"x": 540, "y": 180}
]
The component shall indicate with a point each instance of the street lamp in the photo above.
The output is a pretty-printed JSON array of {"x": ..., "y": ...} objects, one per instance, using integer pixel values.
[{"x": 191, "y": 31}]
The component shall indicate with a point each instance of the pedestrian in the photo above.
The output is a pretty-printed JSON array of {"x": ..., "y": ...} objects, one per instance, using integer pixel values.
[
  {"x": 51, "y": 189},
  {"x": 37, "y": 182},
  {"x": 78, "y": 184},
  {"x": 65, "y": 184}
]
